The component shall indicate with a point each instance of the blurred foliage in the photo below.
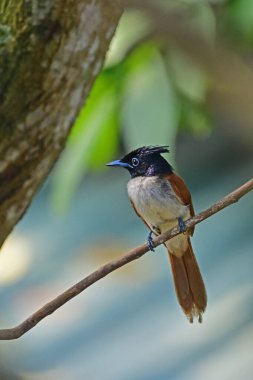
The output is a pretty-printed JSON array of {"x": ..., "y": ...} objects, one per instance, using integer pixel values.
[
  {"x": 147, "y": 92},
  {"x": 238, "y": 20}
]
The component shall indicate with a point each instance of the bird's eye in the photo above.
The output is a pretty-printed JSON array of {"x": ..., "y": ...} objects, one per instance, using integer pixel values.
[{"x": 135, "y": 161}]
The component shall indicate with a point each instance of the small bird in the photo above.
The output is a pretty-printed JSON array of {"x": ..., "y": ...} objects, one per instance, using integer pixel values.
[{"x": 162, "y": 200}]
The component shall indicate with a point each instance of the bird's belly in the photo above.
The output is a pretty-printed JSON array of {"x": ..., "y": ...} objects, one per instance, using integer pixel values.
[{"x": 156, "y": 202}]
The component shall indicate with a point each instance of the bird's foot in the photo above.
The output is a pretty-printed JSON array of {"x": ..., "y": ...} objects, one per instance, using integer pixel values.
[
  {"x": 150, "y": 242},
  {"x": 181, "y": 225}
]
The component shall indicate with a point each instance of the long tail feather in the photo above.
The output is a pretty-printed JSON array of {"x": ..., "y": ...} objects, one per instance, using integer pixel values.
[{"x": 189, "y": 285}]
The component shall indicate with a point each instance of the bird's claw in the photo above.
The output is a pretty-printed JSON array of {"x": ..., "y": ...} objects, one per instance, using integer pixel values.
[
  {"x": 181, "y": 225},
  {"x": 150, "y": 242}
]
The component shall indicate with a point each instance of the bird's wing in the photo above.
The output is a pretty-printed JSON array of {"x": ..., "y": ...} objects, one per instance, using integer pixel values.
[{"x": 182, "y": 192}]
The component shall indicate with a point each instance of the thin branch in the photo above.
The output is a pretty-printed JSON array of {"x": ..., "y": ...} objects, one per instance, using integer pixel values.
[{"x": 136, "y": 253}]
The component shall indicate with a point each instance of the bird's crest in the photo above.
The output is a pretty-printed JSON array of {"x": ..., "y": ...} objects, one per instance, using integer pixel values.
[{"x": 147, "y": 151}]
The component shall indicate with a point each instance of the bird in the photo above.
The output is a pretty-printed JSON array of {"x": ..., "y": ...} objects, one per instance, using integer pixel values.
[{"x": 162, "y": 200}]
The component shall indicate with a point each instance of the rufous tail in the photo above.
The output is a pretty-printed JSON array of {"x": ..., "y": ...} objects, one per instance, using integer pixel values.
[{"x": 189, "y": 285}]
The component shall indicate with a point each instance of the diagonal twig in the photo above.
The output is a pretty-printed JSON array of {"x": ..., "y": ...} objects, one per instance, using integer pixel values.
[{"x": 104, "y": 270}]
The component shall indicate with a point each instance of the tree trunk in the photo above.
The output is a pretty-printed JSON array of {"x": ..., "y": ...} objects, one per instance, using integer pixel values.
[{"x": 50, "y": 53}]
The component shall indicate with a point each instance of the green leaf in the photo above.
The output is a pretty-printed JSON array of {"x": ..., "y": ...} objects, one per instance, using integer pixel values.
[
  {"x": 132, "y": 26},
  {"x": 203, "y": 18},
  {"x": 150, "y": 108},
  {"x": 188, "y": 78},
  {"x": 240, "y": 13},
  {"x": 93, "y": 142}
]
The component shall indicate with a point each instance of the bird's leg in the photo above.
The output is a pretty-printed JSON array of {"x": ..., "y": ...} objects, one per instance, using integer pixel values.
[
  {"x": 150, "y": 242},
  {"x": 181, "y": 225}
]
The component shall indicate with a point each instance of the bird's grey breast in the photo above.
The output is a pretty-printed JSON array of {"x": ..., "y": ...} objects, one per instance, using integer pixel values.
[{"x": 155, "y": 200}]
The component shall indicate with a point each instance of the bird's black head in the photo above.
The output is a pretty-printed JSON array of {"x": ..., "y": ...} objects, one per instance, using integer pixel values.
[{"x": 145, "y": 161}]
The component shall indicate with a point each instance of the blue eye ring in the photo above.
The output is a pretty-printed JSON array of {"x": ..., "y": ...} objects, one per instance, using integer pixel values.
[{"x": 135, "y": 161}]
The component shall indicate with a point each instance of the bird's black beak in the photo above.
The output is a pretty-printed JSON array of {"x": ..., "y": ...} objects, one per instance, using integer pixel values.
[{"x": 120, "y": 164}]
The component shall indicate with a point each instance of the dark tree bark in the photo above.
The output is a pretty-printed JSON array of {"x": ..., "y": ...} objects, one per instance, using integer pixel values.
[{"x": 51, "y": 51}]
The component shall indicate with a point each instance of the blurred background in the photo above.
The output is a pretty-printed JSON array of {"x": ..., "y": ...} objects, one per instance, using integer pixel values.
[{"x": 129, "y": 325}]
